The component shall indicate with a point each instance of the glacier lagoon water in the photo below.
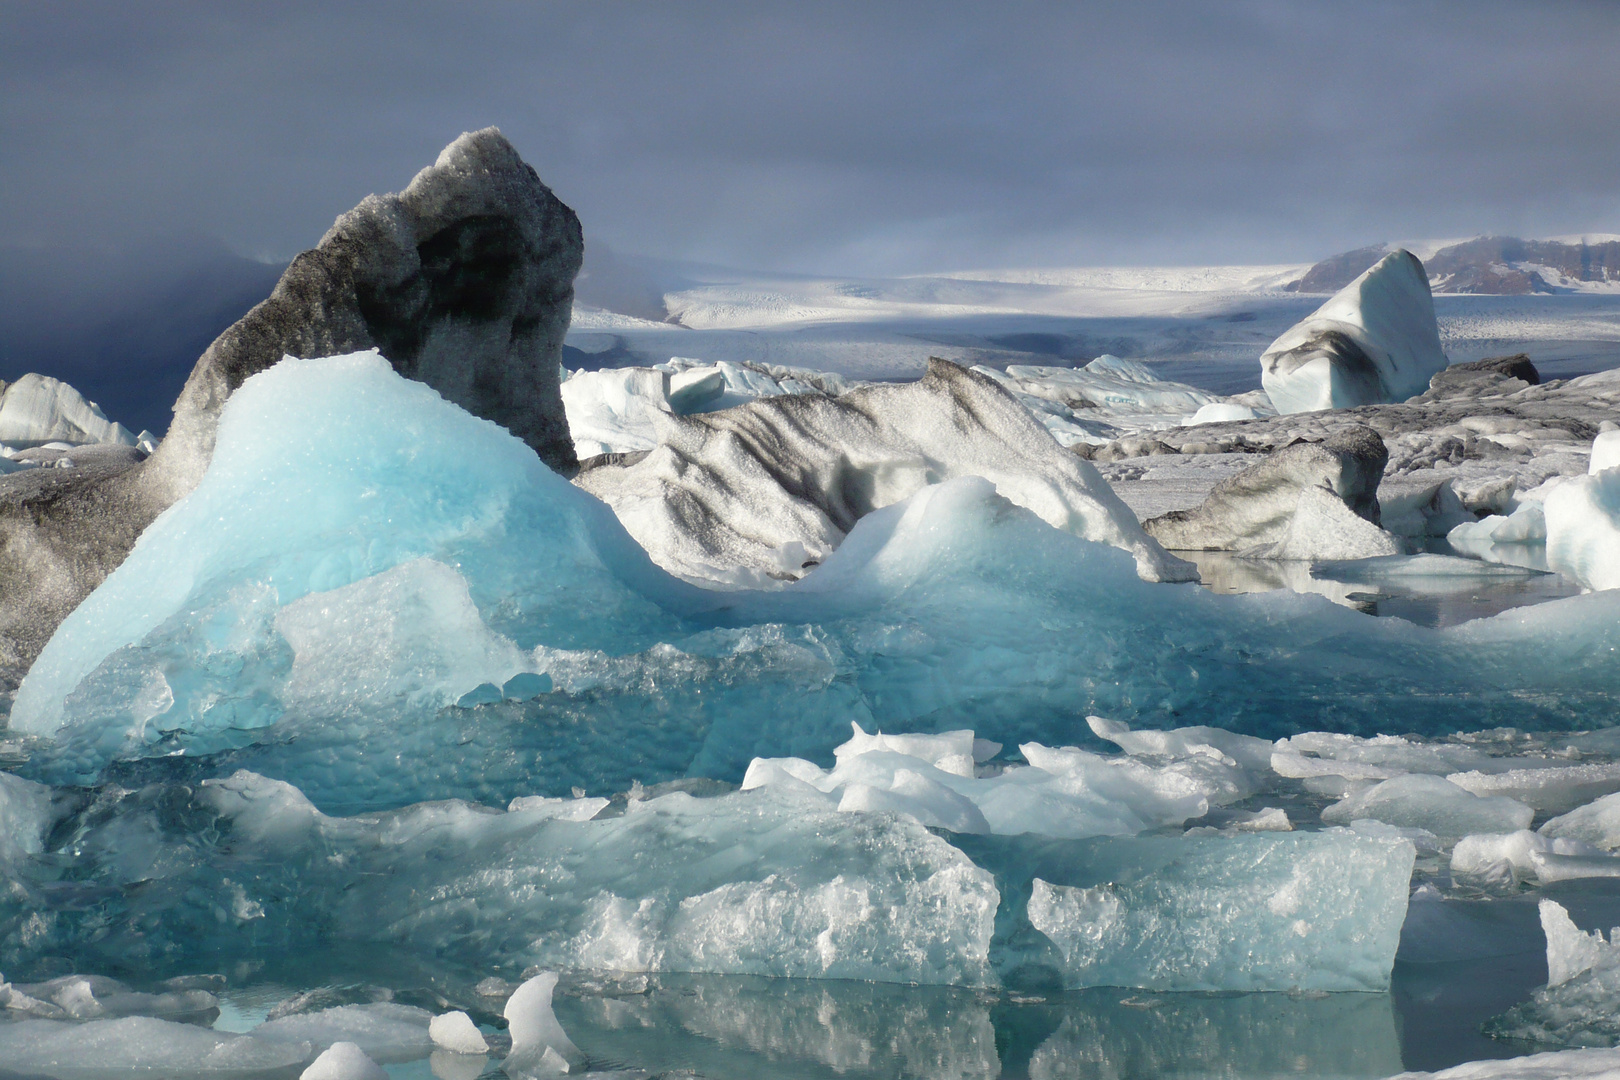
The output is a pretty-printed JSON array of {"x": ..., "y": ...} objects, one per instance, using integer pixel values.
[{"x": 363, "y": 558}]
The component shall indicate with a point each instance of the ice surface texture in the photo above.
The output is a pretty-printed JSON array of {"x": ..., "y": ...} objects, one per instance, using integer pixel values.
[
  {"x": 318, "y": 598},
  {"x": 750, "y": 883},
  {"x": 1375, "y": 341},
  {"x": 1313, "y": 911}
]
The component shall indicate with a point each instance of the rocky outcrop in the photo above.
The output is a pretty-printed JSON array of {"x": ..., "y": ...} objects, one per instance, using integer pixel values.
[
  {"x": 767, "y": 489},
  {"x": 464, "y": 281},
  {"x": 1279, "y": 501},
  {"x": 1375, "y": 341}
]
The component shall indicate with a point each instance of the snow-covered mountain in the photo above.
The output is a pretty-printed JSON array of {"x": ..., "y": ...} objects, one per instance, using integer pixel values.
[{"x": 1495, "y": 265}]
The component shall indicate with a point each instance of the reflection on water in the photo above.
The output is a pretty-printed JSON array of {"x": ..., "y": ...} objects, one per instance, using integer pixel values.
[
  {"x": 1427, "y": 601},
  {"x": 728, "y": 1026}
]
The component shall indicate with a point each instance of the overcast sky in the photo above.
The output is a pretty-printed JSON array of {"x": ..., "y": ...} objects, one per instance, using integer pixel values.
[{"x": 872, "y": 137}]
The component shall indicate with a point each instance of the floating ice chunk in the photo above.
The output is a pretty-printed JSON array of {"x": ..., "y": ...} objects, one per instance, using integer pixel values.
[
  {"x": 262, "y": 811},
  {"x": 140, "y": 1045},
  {"x": 94, "y": 997},
  {"x": 1318, "y": 753},
  {"x": 695, "y": 389},
  {"x": 1108, "y": 385},
  {"x": 1526, "y": 525},
  {"x": 1257, "y": 507},
  {"x": 1508, "y": 857},
  {"x": 1605, "y": 452},
  {"x": 1583, "y": 528},
  {"x": 343, "y": 1061},
  {"x": 1554, "y": 1065},
  {"x": 1597, "y": 823},
  {"x": 1312, "y": 911},
  {"x": 1375, "y": 341},
  {"x": 954, "y": 752},
  {"x": 1221, "y": 412},
  {"x": 1551, "y": 788},
  {"x": 580, "y": 809},
  {"x": 732, "y": 488},
  {"x": 1577, "y": 1006},
  {"x": 37, "y": 409},
  {"x": 455, "y": 1031},
  {"x": 1323, "y": 527},
  {"x": 748, "y": 883},
  {"x": 1551, "y": 866},
  {"x": 612, "y": 411},
  {"x": 908, "y": 792},
  {"x": 1246, "y": 750},
  {"x": 1418, "y": 800},
  {"x": 1062, "y": 792},
  {"x": 539, "y": 1043},
  {"x": 792, "y": 771},
  {"x": 385, "y": 1030},
  {"x": 385, "y": 477},
  {"x": 26, "y": 815},
  {"x": 1421, "y": 839}
]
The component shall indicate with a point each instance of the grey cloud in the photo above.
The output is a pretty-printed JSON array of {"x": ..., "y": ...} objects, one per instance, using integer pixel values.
[{"x": 844, "y": 137}]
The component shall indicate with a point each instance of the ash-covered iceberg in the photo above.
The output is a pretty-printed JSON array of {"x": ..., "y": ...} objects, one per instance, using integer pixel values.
[
  {"x": 464, "y": 280},
  {"x": 1305, "y": 501},
  {"x": 1375, "y": 341},
  {"x": 770, "y": 488}
]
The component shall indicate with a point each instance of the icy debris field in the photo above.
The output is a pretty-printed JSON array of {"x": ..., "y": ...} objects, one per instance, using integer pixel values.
[{"x": 388, "y": 751}]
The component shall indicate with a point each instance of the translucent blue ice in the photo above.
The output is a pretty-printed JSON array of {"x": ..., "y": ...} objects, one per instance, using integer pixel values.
[{"x": 363, "y": 555}]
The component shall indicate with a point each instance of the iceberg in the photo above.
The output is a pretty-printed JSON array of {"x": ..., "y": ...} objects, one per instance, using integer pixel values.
[
  {"x": 1375, "y": 341},
  {"x": 1583, "y": 523},
  {"x": 770, "y": 488},
  {"x": 1422, "y": 801},
  {"x": 612, "y": 411},
  {"x": 343, "y": 1061},
  {"x": 37, "y": 409},
  {"x": 383, "y": 579},
  {"x": 1305, "y": 501}
]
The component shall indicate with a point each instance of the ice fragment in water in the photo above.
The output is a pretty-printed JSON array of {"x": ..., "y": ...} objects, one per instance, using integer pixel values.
[
  {"x": 343, "y": 1061},
  {"x": 455, "y": 1031},
  {"x": 539, "y": 1043},
  {"x": 385, "y": 1030},
  {"x": 1583, "y": 526},
  {"x": 139, "y": 1043},
  {"x": 1418, "y": 800},
  {"x": 1261, "y": 911}
]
